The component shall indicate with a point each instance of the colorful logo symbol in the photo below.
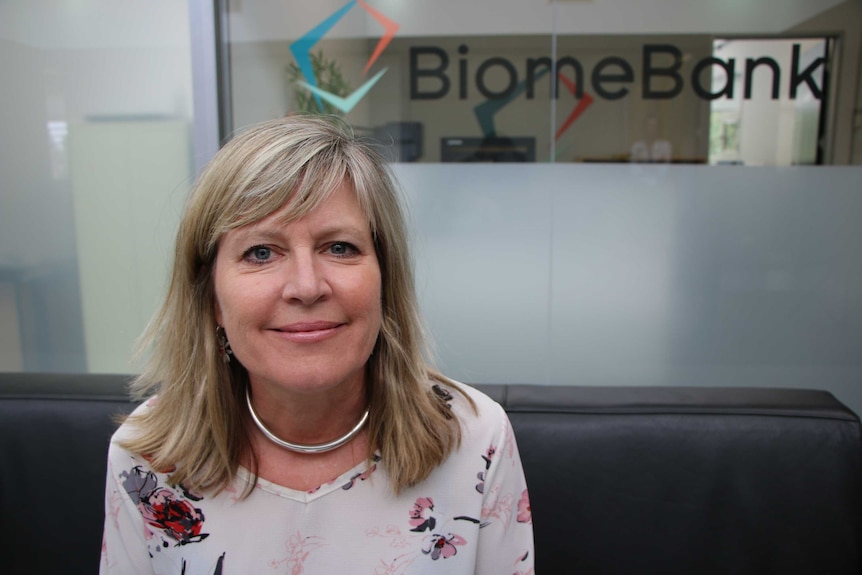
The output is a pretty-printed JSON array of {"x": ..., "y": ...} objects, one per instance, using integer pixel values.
[
  {"x": 486, "y": 111},
  {"x": 301, "y": 50}
]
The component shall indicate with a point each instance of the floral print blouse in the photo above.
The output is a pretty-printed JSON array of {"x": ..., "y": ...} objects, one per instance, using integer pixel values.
[{"x": 470, "y": 516}]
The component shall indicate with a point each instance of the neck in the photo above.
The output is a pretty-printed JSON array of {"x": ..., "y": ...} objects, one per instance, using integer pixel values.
[
  {"x": 301, "y": 447},
  {"x": 306, "y": 419}
]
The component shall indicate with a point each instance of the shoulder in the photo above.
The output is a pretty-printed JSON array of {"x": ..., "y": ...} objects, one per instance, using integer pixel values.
[
  {"x": 122, "y": 454},
  {"x": 484, "y": 404},
  {"x": 130, "y": 427},
  {"x": 132, "y": 468},
  {"x": 478, "y": 414}
]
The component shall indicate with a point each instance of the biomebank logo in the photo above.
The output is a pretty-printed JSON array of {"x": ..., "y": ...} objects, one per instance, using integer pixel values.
[
  {"x": 486, "y": 111},
  {"x": 301, "y": 50}
]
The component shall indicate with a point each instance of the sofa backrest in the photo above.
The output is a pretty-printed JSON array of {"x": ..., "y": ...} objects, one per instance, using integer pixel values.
[
  {"x": 622, "y": 480},
  {"x": 690, "y": 480},
  {"x": 54, "y": 433}
]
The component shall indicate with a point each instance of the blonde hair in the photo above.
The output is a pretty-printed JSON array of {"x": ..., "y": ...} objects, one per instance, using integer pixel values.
[{"x": 197, "y": 428}]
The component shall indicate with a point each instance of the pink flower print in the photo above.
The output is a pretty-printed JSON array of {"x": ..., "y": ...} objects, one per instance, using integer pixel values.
[
  {"x": 397, "y": 539},
  {"x": 360, "y": 476},
  {"x": 489, "y": 455},
  {"x": 525, "y": 514},
  {"x": 299, "y": 548},
  {"x": 233, "y": 493},
  {"x": 398, "y": 566},
  {"x": 498, "y": 506},
  {"x": 113, "y": 509},
  {"x": 420, "y": 516},
  {"x": 314, "y": 490},
  {"x": 444, "y": 547},
  {"x": 510, "y": 443}
]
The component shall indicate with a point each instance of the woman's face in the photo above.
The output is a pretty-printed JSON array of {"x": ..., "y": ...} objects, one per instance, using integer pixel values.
[{"x": 300, "y": 302}]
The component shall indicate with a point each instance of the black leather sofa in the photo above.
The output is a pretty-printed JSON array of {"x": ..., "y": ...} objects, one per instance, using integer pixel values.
[{"x": 623, "y": 481}]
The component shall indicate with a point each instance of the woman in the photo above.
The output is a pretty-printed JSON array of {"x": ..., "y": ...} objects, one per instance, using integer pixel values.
[{"x": 294, "y": 424}]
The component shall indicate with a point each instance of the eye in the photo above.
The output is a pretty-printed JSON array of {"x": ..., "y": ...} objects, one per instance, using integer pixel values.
[
  {"x": 343, "y": 249},
  {"x": 257, "y": 254}
]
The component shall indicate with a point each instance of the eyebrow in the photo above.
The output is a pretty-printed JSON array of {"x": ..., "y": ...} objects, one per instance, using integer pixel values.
[{"x": 268, "y": 233}]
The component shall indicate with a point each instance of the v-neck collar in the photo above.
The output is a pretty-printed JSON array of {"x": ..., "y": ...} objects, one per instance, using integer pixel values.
[{"x": 344, "y": 482}]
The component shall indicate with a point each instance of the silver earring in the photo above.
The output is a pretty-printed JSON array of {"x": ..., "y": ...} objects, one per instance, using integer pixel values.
[{"x": 224, "y": 349}]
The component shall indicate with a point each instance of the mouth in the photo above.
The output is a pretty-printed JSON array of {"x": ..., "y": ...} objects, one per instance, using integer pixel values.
[{"x": 308, "y": 331}]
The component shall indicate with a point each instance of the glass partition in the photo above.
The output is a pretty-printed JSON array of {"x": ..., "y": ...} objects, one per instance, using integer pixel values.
[
  {"x": 95, "y": 162},
  {"x": 602, "y": 193},
  {"x": 630, "y": 209}
]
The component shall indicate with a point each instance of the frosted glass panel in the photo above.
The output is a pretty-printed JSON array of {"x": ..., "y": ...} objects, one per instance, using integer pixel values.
[
  {"x": 642, "y": 275},
  {"x": 483, "y": 252},
  {"x": 149, "y": 161},
  {"x": 95, "y": 159}
]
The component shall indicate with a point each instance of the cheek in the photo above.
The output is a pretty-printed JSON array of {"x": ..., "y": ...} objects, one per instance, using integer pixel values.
[
  {"x": 234, "y": 306},
  {"x": 375, "y": 297},
  {"x": 364, "y": 300},
  {"x": 231, "y": 299},
  {"x": 376, "y": 313}
]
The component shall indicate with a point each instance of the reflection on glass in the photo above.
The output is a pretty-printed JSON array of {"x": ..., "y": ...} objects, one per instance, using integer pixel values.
[
  {"x": 683, "y": 99},
  {"x": 769, "y": 101}
]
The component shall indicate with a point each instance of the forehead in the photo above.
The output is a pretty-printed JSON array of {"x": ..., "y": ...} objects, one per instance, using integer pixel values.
[{"x": 338, "y": 209}]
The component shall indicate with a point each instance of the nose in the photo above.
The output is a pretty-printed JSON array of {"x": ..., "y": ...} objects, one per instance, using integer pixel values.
[{"x": 305, "y": 280}]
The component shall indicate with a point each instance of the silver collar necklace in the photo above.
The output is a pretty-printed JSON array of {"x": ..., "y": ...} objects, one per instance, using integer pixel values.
[{"x": 298, "y": 447}]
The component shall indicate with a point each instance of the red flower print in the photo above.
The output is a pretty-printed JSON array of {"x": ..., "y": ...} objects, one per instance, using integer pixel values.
[
  {"x": 176, "y": 517},
  {"x": 420, "y": 516},
  {"x": 444, "y": 547},
  {"x": 163, "y": 508},
  {"x": 525, "y": 514}
]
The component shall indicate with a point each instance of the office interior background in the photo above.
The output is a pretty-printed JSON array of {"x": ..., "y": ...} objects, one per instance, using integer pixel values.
[{"x": 602, "y": 192}]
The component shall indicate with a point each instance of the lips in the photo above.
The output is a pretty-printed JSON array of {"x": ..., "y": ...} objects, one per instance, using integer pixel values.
[{"x": 308, "y": 331}]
